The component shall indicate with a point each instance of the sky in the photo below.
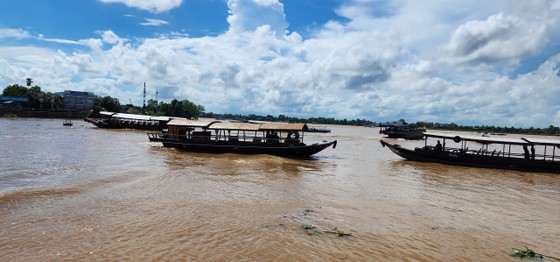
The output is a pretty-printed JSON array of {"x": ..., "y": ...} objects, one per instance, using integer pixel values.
[{"x": 469, "y": 62}]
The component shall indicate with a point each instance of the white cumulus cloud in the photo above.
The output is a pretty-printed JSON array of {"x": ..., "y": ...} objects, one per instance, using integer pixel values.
[
  {"x": 156, "y": 6},
  {"x": 248, "y": 15},
  {"x": 464, "y": 61}
]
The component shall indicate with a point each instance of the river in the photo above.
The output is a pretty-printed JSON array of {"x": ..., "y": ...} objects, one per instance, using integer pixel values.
[{"x": 84, "y": 193}]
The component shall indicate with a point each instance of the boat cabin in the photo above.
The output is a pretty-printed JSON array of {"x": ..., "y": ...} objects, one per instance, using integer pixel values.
[{"x": 216, "y": 131}]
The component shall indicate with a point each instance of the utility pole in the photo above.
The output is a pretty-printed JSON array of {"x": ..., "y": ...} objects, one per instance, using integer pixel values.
[
  {"x": 156, "y": 100},
  {"x": 144, "y": 105}
]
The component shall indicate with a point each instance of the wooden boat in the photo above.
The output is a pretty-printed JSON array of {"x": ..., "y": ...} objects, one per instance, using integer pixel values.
[
  {"x": 245, "y": 138},
  {"x": 130, "y": 121},
  {"x": 491, "y": 152},
  {"x": 401, "y": 129},
  {"x": 319, "y": 129},
  {"x": 67, "y": 122}
]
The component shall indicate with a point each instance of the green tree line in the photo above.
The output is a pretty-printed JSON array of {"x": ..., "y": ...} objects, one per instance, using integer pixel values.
[
  {"x": 284, "y": 118},
  {"x": 37, "y": 98},
  {"x": 550, "y": 130},
  {"x": 185, "y": 108}
]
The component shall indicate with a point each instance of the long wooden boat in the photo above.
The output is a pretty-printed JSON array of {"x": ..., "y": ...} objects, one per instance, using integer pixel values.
[
  {"x": 319, "y": 129},
  {"x": 400, "y": 129},
  {"x": 245, "y": 138},
  {"x": 129, "y": 121},
  {"x": 526, "y": 154}
]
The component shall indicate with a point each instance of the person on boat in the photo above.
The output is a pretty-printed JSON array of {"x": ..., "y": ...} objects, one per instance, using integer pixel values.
[
  {"x": 532, "y": 152},
  {"x": 438, "y": 146},
  {"x": 526, "y": 153},
  {"x": 272, "y": 137},
  {"x": 292, "y": 138}
]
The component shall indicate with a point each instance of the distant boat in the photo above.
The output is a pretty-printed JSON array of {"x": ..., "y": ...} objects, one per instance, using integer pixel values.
[
  {"x": 480, "y": 151},
  {"x": 401, "y": 129},
  {"x": 67, "y": 122},
  {"x": 130, "y": 121},
  {"x": 244, "y": 138},
  {"x": 319, "y": 129}
]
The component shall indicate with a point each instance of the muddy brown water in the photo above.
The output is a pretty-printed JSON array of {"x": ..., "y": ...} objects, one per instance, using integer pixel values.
[{"x": 84, "y": 193}]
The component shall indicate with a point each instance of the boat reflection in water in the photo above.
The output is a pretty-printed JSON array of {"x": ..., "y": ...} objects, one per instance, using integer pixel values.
[
  {"x": 246, "y": 138},
  {"x": 482, "y": 151}
]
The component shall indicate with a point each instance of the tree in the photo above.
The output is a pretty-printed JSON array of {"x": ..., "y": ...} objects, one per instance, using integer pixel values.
[
  {"x": 108, "y": 103},
  {"x": 35, "y": 96},
  {"x": 15, "y": 90},
  {"x": 152, "y": 107},
  {"x": 191, "y": 110}
]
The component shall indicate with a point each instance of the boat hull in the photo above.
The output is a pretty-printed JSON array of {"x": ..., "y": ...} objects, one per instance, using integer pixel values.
[
  {"x": 245, "y": 147},
  {"x": 473, "y": 160}
]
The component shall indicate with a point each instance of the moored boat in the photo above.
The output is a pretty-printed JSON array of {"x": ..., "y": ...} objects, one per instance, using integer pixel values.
[
  {"x": 401, "y": 129},
  {"x": 245, "y": 138},
  {"x": 527, "y": 153},
  {"x": 319, "y": 129},
  {"x": 129, "y": 121},
  {"x": 67, "y": 122}
]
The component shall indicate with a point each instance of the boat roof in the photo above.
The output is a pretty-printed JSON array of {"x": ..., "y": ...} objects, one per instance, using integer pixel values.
[
  {"x": 217, "y": 125},
  {"x": 235, "y": 126},
  {"x": 191, "y": 123},
  {"x": 541, "y": 141},
  {"x": 495, "y": 140},
  {"x": 394, "y": 123},
  {"x": 136, "y": 116},
  {"x": 284, "y": 127}
]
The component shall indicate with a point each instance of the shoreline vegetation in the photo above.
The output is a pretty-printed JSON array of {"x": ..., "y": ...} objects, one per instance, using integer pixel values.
[
  {"x": 493, "y": 130},
  {"x": 185, "y": 108}
]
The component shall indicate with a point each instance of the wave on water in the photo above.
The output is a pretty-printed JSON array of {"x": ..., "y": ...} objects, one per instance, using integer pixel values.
[
  {"x": 23, "y": 194},
  {"x": 34, "y": 193}
]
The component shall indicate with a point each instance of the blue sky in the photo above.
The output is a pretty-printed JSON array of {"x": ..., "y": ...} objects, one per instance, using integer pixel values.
[{"x": 475, "y": 62}]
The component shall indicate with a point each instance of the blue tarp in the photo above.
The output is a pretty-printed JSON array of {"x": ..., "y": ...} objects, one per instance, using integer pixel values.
[{"x": 14, "y": 99}]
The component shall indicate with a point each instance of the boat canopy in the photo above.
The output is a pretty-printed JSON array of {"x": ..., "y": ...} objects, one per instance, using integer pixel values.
[
  {"x": 136, "y": 116},
  {"x": 541, "y": 141},
  {"x": 235, "y": 126},
  {"x": 217, "y": 125},
  {"x": 284, "y": 127},
  {"x": 494, "y": 140},
  {"x": 190, "y": 123}
]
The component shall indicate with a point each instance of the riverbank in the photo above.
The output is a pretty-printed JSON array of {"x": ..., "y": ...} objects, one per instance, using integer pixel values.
[{"x": 44, "y": 113}]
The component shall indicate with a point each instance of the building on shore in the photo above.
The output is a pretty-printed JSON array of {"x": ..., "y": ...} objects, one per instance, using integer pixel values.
[{"x": 77, "y": 100}]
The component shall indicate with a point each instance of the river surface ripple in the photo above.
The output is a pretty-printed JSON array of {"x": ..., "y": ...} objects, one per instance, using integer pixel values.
[{"x": 84, "y": 193}]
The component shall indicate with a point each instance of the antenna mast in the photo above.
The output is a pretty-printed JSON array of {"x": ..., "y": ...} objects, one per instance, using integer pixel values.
[{"x": 144, "y": 105}]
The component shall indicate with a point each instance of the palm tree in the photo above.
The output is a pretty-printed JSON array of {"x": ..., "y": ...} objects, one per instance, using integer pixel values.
[{"x": 29, "y": 82}]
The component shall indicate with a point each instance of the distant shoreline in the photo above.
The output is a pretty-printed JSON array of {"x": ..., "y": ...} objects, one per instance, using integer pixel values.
[{"x": 46, "y": 113}]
